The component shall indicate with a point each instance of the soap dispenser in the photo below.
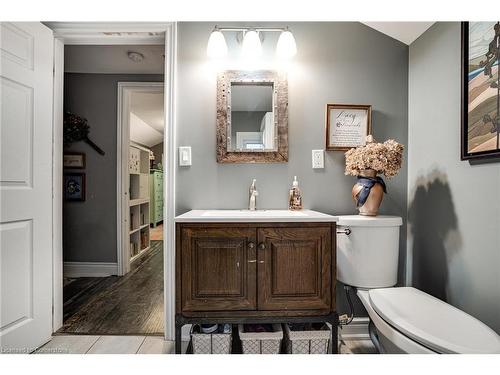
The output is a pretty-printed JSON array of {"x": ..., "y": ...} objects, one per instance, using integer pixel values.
[{"x": 295, "y": 196}]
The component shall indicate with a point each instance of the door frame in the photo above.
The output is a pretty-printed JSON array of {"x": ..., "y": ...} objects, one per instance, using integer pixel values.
[
  {"x": 94, "y": 33},
  {"x": 122, "y": 150}
]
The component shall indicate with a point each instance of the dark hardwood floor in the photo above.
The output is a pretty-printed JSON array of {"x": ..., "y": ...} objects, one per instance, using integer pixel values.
[{"x": 114, "y": 305}]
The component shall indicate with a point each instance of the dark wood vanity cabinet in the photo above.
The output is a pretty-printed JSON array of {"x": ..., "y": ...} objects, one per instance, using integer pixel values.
[
  {"x": 255, "y": 272},
  {"x": 295, "y": 268},
  {"x": 218, "y": 269}
]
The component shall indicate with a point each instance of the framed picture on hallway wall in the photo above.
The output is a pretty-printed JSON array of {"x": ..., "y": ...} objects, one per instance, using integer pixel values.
[
  {"x": 480, "y": 129},
  {"x": 74, "y": 186},
  {"x": 74, "y": 160},
  {"x": 347, "y": 126}
]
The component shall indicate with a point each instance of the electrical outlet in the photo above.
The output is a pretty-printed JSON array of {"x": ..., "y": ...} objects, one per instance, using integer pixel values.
[{"x": 318, "y": 159}]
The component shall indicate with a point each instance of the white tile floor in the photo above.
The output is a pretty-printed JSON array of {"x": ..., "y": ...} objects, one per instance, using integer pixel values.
[
  {"x": 364, "y": 346},
  {"x": 83, "y": 344},
  {"x": 68, "y": 345}
]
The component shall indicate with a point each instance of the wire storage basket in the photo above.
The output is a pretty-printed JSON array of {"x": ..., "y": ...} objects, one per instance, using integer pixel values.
[
  {"x": 210, "y": 343},
  {"x": 261, "y": 342},
  {"x": 308, "y": 340}
]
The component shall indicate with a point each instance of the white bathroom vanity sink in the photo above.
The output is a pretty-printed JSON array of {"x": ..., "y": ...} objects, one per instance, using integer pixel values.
[{"x": 231, "y": 216}]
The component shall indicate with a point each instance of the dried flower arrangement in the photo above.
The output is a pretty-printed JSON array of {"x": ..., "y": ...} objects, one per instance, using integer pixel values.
[{"x": 385, "y": 158}]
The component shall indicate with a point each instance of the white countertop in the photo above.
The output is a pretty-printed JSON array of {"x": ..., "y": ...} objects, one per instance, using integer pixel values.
[{"x": 257, "y": 216}]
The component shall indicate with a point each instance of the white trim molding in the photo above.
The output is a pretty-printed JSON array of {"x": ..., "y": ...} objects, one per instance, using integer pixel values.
[
  {"x": 104, "y": 33},
  {"x": 169, "y": 143},
  {"x": 90, "y": 269},
  {"x": 356, "y": 330},
  {"x": 125, "y": 89}
]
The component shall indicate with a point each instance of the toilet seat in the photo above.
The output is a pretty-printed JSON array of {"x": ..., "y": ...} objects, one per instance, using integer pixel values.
[{"x": 432, "y": 322}]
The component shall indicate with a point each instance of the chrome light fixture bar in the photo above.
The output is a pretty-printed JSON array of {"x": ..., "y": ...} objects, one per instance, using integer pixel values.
[
  {"x": 252, "y": 47},
  {"x": 248, "y": 28}
]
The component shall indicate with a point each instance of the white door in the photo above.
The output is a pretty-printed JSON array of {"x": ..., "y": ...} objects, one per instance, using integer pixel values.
[{"x": 26, "y": 68}]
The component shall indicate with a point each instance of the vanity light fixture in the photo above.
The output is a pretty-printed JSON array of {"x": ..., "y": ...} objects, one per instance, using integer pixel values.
[
  {"x": 217, "y": 47},
  {"x": 252, "y": 46},
  {"x": 286, "y": 47}
]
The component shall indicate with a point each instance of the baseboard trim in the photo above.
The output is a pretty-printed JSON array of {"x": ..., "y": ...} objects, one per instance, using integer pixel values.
[
  {"x": 90, "y": 269},
  {"x": 356, "y": 330}
]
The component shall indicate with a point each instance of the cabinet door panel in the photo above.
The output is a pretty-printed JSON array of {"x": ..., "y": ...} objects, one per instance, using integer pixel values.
[
  {"x": 294, "y": 268},
  {"x": 218, "y": 269}
]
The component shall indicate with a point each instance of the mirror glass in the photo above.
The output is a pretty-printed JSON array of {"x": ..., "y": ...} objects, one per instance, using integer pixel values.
[{"x": 251, "y": 125}]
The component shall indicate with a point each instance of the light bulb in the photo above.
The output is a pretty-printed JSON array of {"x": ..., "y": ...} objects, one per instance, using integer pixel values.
[
  {"x": 251, "y": 45},
  {"x": 286, "y": 47},
  {"x": 216, "y": 47}
]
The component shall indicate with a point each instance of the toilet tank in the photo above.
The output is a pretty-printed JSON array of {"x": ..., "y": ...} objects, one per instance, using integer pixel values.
[{"x": 367, "y": 257}]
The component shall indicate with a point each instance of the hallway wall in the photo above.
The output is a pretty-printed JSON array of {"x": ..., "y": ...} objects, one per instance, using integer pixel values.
[{"x": 89, "y": 228}]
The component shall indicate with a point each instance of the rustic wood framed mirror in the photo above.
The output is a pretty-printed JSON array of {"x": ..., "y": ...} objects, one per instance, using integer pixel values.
[{"x": 252, "y": 117}]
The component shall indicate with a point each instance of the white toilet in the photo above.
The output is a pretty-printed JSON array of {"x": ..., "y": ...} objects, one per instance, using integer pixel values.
[{"x": 405, "y": 320}]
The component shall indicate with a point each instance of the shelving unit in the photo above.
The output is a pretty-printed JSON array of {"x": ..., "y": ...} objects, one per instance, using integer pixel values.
[
  {"x": 139, "y": 205},
  {"x": 156, "y": 196}
]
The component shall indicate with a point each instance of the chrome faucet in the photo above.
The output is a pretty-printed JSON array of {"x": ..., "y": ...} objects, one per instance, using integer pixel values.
[{"x": 253, "y": 193}]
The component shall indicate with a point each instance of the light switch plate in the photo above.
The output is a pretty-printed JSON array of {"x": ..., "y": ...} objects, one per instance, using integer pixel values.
[
  {"x": 318, "y": 159},
  {"x": 185, "y": 156}
]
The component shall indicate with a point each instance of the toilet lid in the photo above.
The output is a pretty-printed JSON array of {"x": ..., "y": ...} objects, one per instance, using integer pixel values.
[{"x": 432, "y": 322}]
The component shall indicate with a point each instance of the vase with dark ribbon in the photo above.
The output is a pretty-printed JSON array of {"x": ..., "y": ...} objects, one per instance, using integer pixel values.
[{"x": 368, "y": 192}]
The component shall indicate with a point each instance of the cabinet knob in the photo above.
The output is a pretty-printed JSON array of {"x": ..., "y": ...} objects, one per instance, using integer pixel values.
[
  {"x": 251, "y": 245},
  {"x": 262, "y": 246}
]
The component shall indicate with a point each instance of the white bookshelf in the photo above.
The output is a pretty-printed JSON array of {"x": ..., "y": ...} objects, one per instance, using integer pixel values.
[{"x": 139, "y": 203}]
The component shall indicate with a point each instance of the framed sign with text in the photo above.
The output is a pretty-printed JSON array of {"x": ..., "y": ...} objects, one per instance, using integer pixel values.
[
  {"x": 74, "y": 160},
  {"x": 347, "y": 126}
]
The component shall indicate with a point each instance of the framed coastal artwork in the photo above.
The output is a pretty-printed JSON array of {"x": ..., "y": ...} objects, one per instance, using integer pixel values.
[
  {"x": 347, "y": 126},
  {"x": 74, "y": 186},
  {"x": 480, "y": 130}
]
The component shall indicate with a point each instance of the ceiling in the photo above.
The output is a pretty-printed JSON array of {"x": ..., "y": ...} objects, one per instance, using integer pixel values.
[
  {"x": 149, "y": 107},
  {"x": 113, "y": 59},
  {"x": 406, "y": 32},
  {"x": 146, "y": 118}
]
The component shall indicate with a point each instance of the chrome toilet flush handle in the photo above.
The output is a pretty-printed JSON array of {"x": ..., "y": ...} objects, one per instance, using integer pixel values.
[{"x": 346, "y": 231}]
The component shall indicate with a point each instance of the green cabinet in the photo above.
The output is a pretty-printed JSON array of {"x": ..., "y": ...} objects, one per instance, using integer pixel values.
[{"x": 156, "y": 196}]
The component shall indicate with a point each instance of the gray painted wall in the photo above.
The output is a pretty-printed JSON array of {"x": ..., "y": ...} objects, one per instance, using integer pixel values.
[
  {"x": 89, "y": 228},
  {"x": 336, "y": 62},
  {"x": 454, "y": 231}
]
